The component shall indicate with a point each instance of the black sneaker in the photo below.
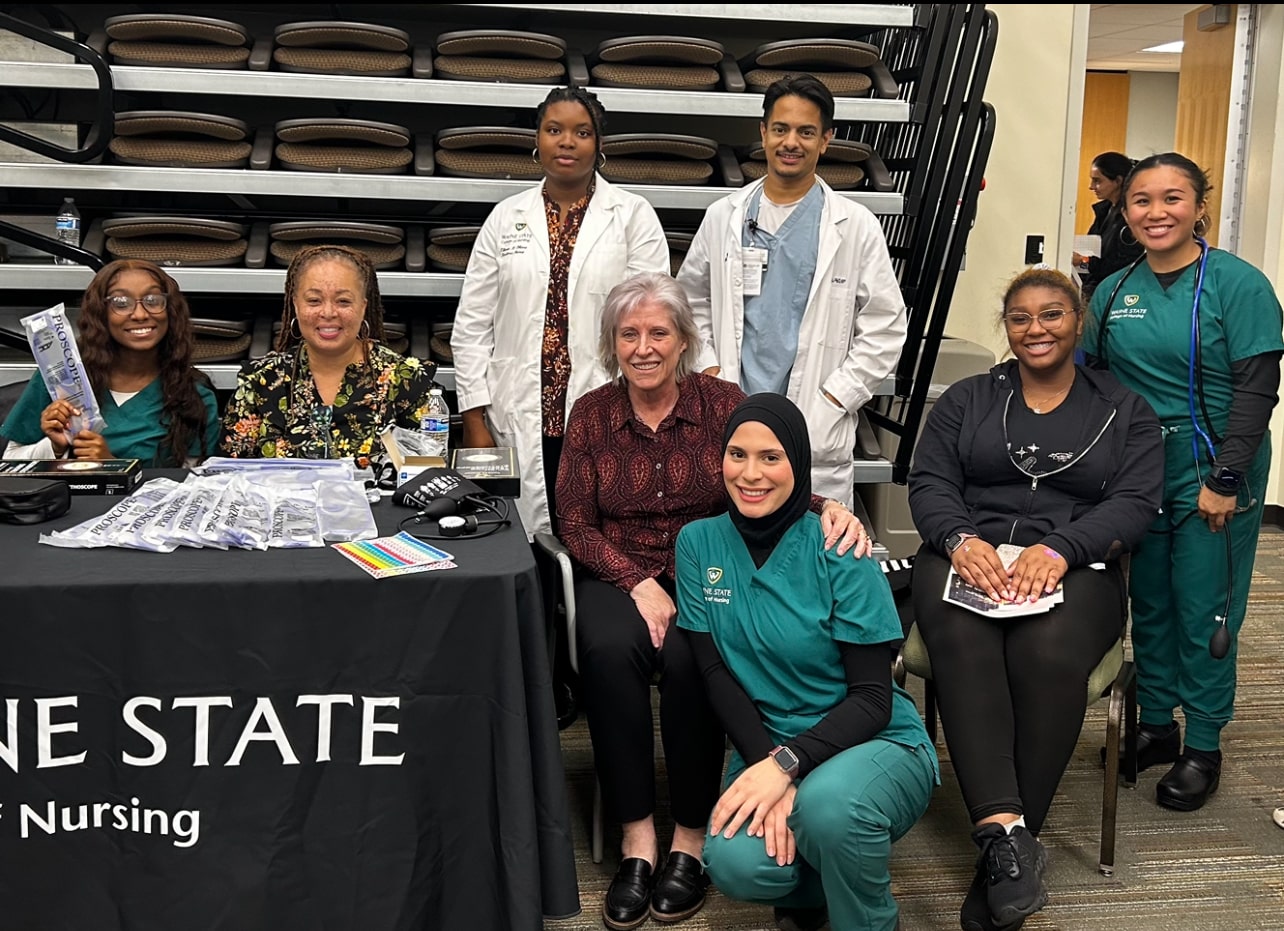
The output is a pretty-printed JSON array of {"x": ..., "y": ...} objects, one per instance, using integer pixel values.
[
  {"x": 1014, "y": 863},
  {"x": 975, "y": 913}
]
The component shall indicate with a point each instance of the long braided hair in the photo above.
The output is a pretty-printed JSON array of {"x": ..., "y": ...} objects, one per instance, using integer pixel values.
[
  {"x": 183, "y": 413},
  {"x": 288, "y": 338}
]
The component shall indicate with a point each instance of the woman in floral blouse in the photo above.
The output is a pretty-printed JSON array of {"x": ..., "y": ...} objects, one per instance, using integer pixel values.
[{"x": 330, "y": 387}]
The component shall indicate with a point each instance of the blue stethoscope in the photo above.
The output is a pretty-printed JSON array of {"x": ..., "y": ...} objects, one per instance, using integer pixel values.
[
  {"x": 1219, "y": 643},
  {"x": 1195, "y": 402}
]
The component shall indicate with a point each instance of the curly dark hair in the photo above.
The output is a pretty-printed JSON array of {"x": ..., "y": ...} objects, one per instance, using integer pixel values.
[
  {"x": 287, "y": 339},
  {"x": 183, "y": 414}
]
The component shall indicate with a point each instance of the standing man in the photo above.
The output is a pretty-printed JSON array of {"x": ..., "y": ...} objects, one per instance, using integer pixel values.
[{"x": 792, "y": 286}]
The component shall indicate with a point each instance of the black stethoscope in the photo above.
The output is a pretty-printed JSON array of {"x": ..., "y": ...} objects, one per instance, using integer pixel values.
[{"x": 1196, "y": 403}]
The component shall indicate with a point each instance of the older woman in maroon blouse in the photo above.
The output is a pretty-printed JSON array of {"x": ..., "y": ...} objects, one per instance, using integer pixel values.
[{"x": 642, "y": 458}]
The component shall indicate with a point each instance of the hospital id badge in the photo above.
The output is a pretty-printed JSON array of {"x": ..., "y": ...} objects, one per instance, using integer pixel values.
[{"x": 753, "y": 262}]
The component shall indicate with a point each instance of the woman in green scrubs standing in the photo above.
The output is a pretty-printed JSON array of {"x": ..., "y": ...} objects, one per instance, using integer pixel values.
[{"x": 1197, "y": 332}]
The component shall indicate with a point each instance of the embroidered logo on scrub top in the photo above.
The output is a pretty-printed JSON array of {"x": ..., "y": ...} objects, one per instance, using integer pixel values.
[
  {"x": 1129, "y": 310},
  {"x": 712, "y": 595}
]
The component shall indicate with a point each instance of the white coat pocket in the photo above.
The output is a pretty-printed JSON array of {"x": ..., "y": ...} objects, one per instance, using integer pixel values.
[{"x": 833, "y": 431}]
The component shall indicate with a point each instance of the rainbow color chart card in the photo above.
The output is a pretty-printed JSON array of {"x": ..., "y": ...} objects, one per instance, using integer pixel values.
[{"x": 403, "y": 554}]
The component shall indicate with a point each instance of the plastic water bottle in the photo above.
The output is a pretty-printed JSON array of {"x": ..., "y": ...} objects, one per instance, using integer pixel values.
[
  {"x": 67, "y": 228},
  {"x": 436, "y": 425}
]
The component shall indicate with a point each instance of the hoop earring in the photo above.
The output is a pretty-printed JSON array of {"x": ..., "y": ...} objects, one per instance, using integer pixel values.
[
  {"x": 1201, "y": 227},
  {"x": 295, "y": 332},
  {"x": 1127, "y": 231},
  {"x": 363, "y": 332},
  {"x": 535, "y": 155},
  {"x": 601, "y": 160}
]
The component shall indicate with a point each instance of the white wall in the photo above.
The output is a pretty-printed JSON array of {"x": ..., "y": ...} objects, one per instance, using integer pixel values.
[
  {"x": 1261, "y": 224},
  {"x": 1152, "y": 113},
  {"x": 1036, "y": 88}
]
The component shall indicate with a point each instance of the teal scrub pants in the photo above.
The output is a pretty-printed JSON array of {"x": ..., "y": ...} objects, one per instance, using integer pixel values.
[
  {"x": 847, "y": 813},
  {"x": 1177, "y": 584}
]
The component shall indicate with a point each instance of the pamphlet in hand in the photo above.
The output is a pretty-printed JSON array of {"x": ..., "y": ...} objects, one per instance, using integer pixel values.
[{"x": 975, "y": 599}]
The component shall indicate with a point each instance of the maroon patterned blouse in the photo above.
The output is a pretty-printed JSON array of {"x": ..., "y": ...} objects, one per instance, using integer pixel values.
[
  {"x": 555, "y": 372},
  {"x": 624, "y": 491}
]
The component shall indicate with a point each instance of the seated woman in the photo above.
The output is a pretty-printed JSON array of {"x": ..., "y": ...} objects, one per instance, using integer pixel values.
[
  {"x": 640, "y": 460},
  {"x": 331, "y": 387},
  {"x": 1066, "y": 464},
  {"x": 135, "y": 340},
  {"x": 831, "y": 761}
]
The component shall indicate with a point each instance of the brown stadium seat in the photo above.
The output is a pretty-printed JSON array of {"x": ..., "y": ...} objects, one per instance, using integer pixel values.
[
  {"x": 383, "y": 244},
  {"x": 488, "y": 152},
  {"x": 177, "y": 241},
  {"x": 658, "y": 158},
  {"x": 169, "y": 40},
  {"x": 502, "y": 55},
  {"x": 332, "y": 144},
  {"x": 450, "y": 247},
  {"x": 847, "y": 67},
  {"x": 679, "y": 243},
  {"x": 325, "y": 47},
  {"x": 179, "y": 139},
  {"x": 665, "y": 63},
  {"x": 221, "y": 340}
]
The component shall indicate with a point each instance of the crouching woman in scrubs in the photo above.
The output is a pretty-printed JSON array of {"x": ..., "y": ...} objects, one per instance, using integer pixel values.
[
  {"x": 1197, "y": 333},
  {"x": 831, "y": 763}
]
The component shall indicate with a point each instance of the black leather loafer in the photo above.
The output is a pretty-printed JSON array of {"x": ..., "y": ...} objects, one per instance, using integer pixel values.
[
  {"x": 1153, "y": 747},
  {"x": 803, "y": 919},
  {"x": 629, "y": 895},
  {"x": 1188, "y": 784},
  {"x": 679, "y": 889}
]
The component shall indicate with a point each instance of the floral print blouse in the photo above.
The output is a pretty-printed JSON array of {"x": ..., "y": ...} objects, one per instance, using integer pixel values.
[
  {"x": 276, "y": 412},
  {"x": 555, "y": 372}
]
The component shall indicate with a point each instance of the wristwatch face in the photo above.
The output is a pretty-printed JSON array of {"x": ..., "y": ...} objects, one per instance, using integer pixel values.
[
  {"x": 785, "y": 759},
  {"x": 953, "y": 542},
  {"x": 1228, "y": 477}
]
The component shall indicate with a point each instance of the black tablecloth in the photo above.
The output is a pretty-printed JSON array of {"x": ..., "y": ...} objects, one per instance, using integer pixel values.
[{"x": 434, "y": 800}]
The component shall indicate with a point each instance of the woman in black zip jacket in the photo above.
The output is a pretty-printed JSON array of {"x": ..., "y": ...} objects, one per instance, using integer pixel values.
[
  {"x": 1119, "y": 248},
  {"x": 1065, "y": 464}
]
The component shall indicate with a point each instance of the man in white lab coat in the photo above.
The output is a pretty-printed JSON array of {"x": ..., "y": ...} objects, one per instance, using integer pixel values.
[{"x": 793, "y": 288}]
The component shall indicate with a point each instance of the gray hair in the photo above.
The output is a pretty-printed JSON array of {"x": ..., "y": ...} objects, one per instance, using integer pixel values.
[{"x": 632, "y": 293}]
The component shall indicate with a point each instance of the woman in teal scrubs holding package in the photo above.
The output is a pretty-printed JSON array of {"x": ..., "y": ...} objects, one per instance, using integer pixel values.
[
  {"x": 135, "y": 339},
  {"x": 831, "y": 761},
  {"x": 1197, "y": 332}
]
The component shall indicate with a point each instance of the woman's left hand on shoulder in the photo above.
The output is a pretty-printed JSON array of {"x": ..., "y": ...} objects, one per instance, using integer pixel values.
[
  {"x": 1037, "y": 572},
  {"x": 1216, "y": 509},
  {"x": 754, "y": 793},
  {"x": 843, "y": 527}
]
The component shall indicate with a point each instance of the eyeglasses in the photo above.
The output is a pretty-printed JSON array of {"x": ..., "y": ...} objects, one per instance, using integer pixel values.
[
  {"x": 124, "y": 304},
  {"x": 1048, "y": 319}
]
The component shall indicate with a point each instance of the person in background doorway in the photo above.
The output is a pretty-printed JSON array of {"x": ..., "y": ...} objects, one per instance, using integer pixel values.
[{"x": 1119, "y": 248}]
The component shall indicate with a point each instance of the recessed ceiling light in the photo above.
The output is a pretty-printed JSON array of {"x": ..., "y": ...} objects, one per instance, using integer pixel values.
[{"x": 1167, "y": 48}]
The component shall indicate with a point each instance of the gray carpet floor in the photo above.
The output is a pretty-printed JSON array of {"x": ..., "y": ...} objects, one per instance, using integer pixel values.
[{"x": 1220, "y": 868}]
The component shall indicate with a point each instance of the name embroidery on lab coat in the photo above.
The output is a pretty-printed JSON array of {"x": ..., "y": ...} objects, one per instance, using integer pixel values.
[{"x": 516, "y": 243}]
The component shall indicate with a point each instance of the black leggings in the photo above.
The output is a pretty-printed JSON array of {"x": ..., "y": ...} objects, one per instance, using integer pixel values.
[
  {"x": 1013, "y": 691},
  {"x": 617, "y": 665}
]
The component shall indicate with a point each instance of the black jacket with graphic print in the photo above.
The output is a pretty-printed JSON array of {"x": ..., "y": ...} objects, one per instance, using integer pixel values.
[{"x": 964, "y": 480}]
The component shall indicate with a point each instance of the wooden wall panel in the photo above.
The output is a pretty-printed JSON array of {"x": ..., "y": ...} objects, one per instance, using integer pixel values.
[
  {"x": 1203, "y": 102},
  {"x": 1105, "y": 129}
]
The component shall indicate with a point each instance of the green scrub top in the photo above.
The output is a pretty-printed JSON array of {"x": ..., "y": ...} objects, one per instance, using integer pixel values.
[
  {"x": 1147, "y": 343},
  {"x": 778, "y": 628},
  {"x": 134, "y": 429}
]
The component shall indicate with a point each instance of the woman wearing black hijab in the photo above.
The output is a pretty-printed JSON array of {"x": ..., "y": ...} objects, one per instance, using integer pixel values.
[{"x": 831, "y": 761}]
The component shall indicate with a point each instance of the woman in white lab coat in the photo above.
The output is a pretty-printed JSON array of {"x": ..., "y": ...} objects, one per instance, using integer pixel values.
[{"x": 525, "y": 334}]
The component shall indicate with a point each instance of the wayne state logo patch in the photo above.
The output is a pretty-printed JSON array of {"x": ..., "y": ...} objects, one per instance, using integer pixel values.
[
  {"x": 1130, "y": 300},
  {"x": 713, "y": 574}
]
